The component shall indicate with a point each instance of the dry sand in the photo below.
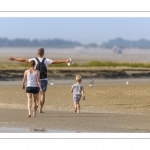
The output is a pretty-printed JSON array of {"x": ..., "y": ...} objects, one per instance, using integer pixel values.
[{"x": 110, "y": 106}]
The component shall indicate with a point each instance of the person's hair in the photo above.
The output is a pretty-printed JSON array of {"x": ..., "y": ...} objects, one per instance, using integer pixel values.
[
  {"x": 78, "y": 78},
  {"x": 32, "y": 63},
  {"x": 41, "y": 51}
]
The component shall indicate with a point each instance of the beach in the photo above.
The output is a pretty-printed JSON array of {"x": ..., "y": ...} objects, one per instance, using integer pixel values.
[
  {"x": 118, "y": 102},
  {"x": 111, "y": 106}
]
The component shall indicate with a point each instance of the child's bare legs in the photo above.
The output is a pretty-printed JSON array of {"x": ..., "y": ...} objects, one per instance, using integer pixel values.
[
  {"x": 29, "y": 97},
  {"x": 78, "y": 108},
  {"x": 35, "y": 96},
  {"x": 75, "y": 107}
]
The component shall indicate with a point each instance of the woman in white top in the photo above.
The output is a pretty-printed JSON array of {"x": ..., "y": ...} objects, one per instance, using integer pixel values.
[{"x": 32, "y": 77}]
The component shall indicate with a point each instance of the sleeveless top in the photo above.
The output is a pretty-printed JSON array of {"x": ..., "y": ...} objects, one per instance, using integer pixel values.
[{"x": 32, "y": 79}]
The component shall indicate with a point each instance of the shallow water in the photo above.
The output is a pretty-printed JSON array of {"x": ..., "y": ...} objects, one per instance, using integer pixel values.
[{"x": 30, "y": 130}]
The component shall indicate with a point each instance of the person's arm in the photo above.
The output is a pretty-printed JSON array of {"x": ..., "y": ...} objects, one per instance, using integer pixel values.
[
  {"x": 39, "y": 82},
  {"x": 71, "y": 90},
  {"x": 60, "y": 61},
  {"x": 72, "y": 87},
  {"x": 82, "y": 92},
  {"x": 24, "y": 80},
  {"x": 19, "y": 59}
]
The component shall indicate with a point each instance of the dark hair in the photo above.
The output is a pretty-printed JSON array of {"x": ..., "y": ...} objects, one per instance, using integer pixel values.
[
  {"x": 41, "y": 51},
  {"x": 32, "y": 63}
]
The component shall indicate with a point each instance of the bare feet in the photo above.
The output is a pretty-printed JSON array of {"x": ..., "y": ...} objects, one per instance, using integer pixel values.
[{"x": 29, "y": 115}]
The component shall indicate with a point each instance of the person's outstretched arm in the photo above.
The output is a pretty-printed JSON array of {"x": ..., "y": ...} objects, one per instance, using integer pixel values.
[
  {"x": 60, "y": 61},
  {"x": 19, "y": 59}
]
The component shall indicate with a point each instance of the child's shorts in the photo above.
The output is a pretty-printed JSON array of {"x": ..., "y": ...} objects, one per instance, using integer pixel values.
[{"x": 76, "y": 98}]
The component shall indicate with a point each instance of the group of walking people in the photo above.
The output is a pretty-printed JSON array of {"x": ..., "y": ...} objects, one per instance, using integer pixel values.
[{"x": 37, "y": 81}]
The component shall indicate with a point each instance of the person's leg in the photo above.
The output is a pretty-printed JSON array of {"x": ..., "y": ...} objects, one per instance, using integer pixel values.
[
  {"x": 75, "y": 107},
  {"x": 35, "y": 96},
  {"x": 42, "y": 101},
  {"x": 78, "y": 108},
  {"x": 29, "y": 97},
  {"x": 37, "y": 100}
]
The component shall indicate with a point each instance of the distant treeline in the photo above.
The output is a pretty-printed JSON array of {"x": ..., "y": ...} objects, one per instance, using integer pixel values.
[
  {"x": 60, "y": 43},
  {"x": 54, "y": 43},
  {"x": 121, "y": 43}
]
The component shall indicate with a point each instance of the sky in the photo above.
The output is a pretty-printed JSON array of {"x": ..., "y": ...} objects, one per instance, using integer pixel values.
[{"x": 82, "y": 29}]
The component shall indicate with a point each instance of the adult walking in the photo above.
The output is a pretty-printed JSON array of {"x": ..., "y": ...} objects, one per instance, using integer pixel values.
[
  {"x": 32, "y": 77},
  {"x": 41, "y": 62}
]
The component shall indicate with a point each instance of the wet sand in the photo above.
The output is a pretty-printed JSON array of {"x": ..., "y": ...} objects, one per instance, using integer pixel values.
[{"x": 110, "y": 106}]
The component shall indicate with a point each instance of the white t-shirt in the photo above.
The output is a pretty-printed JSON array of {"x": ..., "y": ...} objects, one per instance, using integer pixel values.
[{"x": 47, "y": 62}]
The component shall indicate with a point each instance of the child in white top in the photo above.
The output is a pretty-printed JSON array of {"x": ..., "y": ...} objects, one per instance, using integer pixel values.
[{"x": 78, "y": 91}]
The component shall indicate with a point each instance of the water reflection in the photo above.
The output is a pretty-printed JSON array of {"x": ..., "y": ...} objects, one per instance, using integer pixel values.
[
  {"x": 31, "y": 130},
  {"x": 36, "y": 130}
]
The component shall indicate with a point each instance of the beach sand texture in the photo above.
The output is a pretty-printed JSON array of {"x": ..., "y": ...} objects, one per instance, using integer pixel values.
[{"x": 109, "y": 107}]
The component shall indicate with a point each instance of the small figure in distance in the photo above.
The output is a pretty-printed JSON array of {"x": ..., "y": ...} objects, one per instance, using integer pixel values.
[
  {"x": 91, "y": 82},
  {"x": 51, "y": 82}
]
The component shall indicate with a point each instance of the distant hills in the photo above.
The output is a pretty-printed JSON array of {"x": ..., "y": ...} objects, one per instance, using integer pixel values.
[
  {"x": 121, "y": 43},
  {"x": 60, "y": 43}
]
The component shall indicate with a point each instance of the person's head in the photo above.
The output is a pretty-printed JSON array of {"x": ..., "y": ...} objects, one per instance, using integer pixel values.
[
  {"x": 78, "y": 78},
  {"x": 41, "y": 52},
  {"x": 32, "y": 63}
]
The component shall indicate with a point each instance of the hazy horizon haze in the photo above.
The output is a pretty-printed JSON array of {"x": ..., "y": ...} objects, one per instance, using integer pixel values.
[{"x": 85, "y": 30}]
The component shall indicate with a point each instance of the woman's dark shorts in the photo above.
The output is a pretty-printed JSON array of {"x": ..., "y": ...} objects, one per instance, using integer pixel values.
[{"x": 33, "y": 90}]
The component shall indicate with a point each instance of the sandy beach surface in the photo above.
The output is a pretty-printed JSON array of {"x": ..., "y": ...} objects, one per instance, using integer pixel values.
[{"x": 111, "y": 106}]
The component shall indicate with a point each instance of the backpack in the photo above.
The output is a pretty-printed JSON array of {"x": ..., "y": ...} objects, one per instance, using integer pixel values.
[{"x": 42, "y": 68}]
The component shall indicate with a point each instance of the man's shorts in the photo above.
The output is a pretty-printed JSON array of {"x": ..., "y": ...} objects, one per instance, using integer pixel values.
[
  {"x": 34, "y": 90},
  {"x": 44, "y": 84},
  {"x": 76, "y": 98}
]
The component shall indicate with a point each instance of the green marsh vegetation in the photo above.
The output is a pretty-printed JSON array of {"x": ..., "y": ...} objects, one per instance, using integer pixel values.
[{"x": 90, "y": 64}]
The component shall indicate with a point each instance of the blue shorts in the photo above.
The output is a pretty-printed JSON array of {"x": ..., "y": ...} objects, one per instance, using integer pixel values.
[
  {"x": 44, "y": 84},
  {"x": 76, "y": 98}
]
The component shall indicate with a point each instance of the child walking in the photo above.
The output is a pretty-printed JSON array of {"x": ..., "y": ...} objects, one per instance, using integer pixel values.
[{"x": 78, "y": 91}]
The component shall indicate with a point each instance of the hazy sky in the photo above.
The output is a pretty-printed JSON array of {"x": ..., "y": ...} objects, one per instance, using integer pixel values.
[{"x": 84, "y": 30}]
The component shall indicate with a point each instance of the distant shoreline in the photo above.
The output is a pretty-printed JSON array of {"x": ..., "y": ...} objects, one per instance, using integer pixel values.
[{"x": 69, "y": 73}]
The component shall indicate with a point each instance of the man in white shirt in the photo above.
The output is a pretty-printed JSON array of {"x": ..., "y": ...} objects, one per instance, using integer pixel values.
[{"x": 47, "y": 62}]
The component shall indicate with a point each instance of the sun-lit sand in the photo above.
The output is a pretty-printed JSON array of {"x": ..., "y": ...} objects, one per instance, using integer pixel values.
[{"x": 110, "y": 106}]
